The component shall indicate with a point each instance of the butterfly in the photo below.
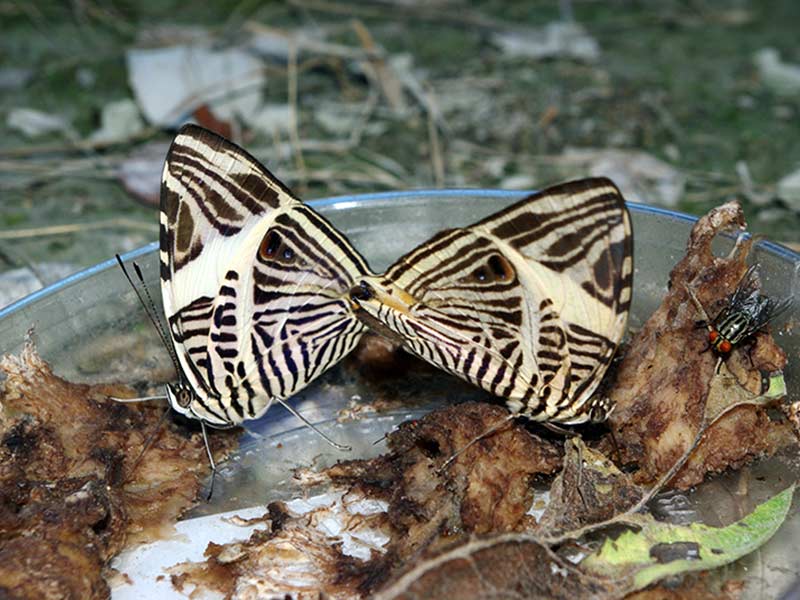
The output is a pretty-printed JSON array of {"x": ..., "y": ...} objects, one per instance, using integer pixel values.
[
  {"x": 530, "y": 303},
  {"x": 262, "y": 294},
  {"x": 254, "y": 283}
]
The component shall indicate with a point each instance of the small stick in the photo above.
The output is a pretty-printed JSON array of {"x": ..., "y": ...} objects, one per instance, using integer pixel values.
[{"x": 294, "y": 136}]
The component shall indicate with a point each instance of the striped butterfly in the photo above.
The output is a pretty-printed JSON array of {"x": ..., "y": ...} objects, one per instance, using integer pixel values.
[
  {"x": 254, "y": 283},
  {"x": 530, "y": 303}
]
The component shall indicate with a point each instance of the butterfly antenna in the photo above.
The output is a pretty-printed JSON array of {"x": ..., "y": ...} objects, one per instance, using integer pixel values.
[
  {"x": 151, "y": 438},
  {"x": 210, "y": 460},
  {"x": 308, "y": 424},
  {"x": 152, "y": 304},
  {"x": 149, "y": 309},
  {"x": 132, "y": 400}
]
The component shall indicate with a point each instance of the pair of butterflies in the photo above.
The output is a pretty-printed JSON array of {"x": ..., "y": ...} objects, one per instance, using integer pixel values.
[{"x": 262, "y": 294}]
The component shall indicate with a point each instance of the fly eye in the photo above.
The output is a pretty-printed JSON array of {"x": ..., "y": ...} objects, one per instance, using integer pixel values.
[{"x": 725, "y": 346}]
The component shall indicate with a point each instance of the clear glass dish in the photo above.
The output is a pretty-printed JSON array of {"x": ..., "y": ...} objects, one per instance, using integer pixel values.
[{"x": 90, "y": 327}]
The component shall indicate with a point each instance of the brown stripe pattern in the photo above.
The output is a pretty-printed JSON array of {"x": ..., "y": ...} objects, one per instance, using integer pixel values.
[
  {"x": 254, "y": 282},
  {"x": 530, "y": 303}
]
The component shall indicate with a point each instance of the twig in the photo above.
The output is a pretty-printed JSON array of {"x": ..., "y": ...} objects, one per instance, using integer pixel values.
[
  {"x": 436, "y": 151},
  {"x": 375, "y": 176},
  {"x": 417, "y": 11},
  {"x": 294, "y": 136},
  {"x": 14, "y": 258},
  {"x": 629, "y": 517},
  {"x": 363, "y": 118},
  {"x": 80, "y": 145},
  {"x": 121, "y": 223},
  {"x": 306, "y": 44},
  {"x": 387, "y": 80}
]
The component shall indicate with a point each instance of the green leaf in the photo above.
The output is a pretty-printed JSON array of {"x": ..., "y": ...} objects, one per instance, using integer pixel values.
[{"x": 660, "y": 550}]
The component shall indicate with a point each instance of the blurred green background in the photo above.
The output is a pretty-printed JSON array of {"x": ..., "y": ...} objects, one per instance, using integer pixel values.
[{"x": 686, "y": 104}]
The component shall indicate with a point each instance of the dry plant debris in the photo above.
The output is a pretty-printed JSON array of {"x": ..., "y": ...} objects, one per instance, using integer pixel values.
[
  {"x": 69, "y": 500},
  {"x": 665, "y": 381}
]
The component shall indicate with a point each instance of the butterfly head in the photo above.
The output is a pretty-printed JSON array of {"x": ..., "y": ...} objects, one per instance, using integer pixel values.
[
  {"x": 380, "y": 304},
  {"x": 600, "y": 408},
  {"x": 370, "y": 293},
  {"x": 181, "y": 397}
]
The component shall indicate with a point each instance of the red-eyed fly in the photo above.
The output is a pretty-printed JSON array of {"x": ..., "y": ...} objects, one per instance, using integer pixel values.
[{"x": 746, "y": 313}]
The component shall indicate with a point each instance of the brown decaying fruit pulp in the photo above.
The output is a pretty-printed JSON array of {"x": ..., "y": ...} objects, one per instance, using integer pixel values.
[
  {"x": 663, "y": 382},
  {"x": 68, "y": 502}
]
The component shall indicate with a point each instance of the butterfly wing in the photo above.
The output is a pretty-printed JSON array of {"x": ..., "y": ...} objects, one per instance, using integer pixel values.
[
  {"x": 253, "y": 281},
  {"x": 530, "y": 303}
]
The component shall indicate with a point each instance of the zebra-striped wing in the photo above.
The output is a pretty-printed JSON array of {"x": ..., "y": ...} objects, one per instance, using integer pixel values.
[
  {"x": 530, "y": 303},
  {"x": 254, "y": 282}
]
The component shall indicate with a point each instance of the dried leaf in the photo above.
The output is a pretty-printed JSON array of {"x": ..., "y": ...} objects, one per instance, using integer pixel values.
[
  {"x": 589, "y": 489},
  {"x": 71, "y": 498},
  {"x": 664, "y": 399},
  {"x": 641, "y": 176},
  {"x": 119, "y": 121},
  {"x": 140, "y": 172},
  {"x": 781, "y": 77},
  {"x": 34, "y": 123},
  {"x": 555, "y": 40},
  {"x": 170, "y": 83},
  {"x": 788, "y": 189},
  {"x": 662, "y": 550},
  {"x": 503, "y": 566}
]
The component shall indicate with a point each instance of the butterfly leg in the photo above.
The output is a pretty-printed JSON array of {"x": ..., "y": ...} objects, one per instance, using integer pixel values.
[
  {"x": 560, "y": 430},
  {"x": 308, "y": 424},
  {"x": 210, "y": 460},
  {"x": 502, "y": 424},
  {"x": 615, "y": 445},
  {"x": 148, "y": 442},
  {"x": 579, "y": 478}
]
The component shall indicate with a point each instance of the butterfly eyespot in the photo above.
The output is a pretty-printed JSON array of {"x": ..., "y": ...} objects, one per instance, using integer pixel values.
[
  {"x": 270, "y": 244},
  {"x": 273, "y": 248},
  {"x": 496, "y": 268},
  {"x": 500, "y": 267}
]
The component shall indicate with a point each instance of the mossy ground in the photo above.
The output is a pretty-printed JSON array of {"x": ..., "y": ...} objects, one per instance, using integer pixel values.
[{"x": 675, "y": 79}]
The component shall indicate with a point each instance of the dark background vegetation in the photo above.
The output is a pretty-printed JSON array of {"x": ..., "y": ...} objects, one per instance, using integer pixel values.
[{"x": 440, "y": 104}]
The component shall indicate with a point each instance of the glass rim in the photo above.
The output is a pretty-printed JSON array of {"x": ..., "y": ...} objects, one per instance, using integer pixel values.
[{"x": 361, "y": 199}]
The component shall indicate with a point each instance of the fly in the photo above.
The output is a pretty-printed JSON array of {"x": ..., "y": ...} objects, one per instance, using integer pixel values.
[{"x": 746, "y": 313}]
